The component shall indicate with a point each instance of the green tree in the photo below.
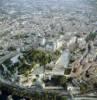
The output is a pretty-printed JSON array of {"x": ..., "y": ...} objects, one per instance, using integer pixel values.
[
  {"x": 83, "y": 88},
  {"x": 37, "y": 96},
  {"x": 63, "y": 98},
  {"x": 62, "y": 81},
  {"x": 91, "y": 36}
]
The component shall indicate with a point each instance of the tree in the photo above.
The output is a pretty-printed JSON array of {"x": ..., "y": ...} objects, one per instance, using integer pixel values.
[
  {"x": 61, "y": 33},
  {"x": 91, "y": 36},
  {"x": 44, "y": 60},
  {"x": 62, "y": 81},
  {"x": 57, "y": 53},
  {"x": 83, "y": 88},
  {"x": 95, "y": 85},
  {"x": 37, "y": 96},
  {"x": 63, "y": 98}
]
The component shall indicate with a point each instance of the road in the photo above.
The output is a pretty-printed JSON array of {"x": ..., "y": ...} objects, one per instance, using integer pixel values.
[
  {"x": 85, "y": 98},
  {"x": 4, "y": 58}
]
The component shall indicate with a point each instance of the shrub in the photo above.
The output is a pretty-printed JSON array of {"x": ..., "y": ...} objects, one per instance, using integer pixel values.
[
  {"x": 83, "y": 88},
  {"x": 91, "y": 36}
]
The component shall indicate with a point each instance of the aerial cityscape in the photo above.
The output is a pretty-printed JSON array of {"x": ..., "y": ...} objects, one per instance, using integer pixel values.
[{"x": 48, "y": 49}]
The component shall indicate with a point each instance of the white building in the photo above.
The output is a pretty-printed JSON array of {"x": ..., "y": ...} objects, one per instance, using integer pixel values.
[
  {"x": 50, "y": 46},
  {"x": 72, "y": 43},
  {"x": 53, "y": 45},
  {"x": 73, "y": 89},
  {"x": 81, "y": 43},
  {"x": 59, "y": 44},
  {"x": 41, "y": 40}
]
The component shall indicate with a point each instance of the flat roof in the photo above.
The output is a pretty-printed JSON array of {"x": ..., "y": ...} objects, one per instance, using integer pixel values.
[{"x": 64, "y": 59}]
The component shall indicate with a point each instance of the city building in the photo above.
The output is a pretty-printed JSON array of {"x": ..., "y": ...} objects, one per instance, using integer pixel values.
[{"x": 54, "y": 44}]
